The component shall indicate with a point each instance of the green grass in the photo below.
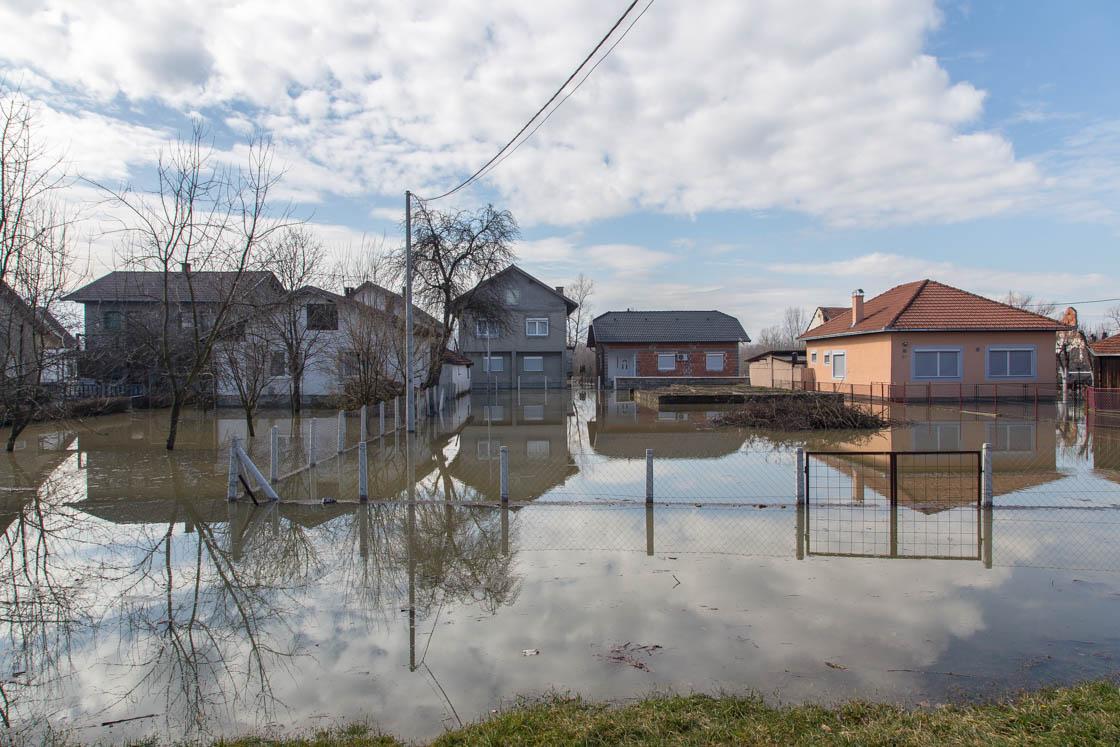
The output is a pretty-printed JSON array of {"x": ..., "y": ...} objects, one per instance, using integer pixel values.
[{"x": 1085, "y": 714}]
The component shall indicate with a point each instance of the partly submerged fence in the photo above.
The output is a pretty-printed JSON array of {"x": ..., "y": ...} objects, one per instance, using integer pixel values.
[
  {"x": 930, "y": 392},
  {"x": 1102, "y": 400}
]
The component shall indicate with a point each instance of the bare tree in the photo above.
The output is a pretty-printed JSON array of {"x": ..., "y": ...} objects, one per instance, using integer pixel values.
[
  {"x": 202, "y": 216},
  {"x": 248, "y": 366},
  {"x": 34, "y": 261},
  {"x": 452, "y": 253},
  {"x": 794, "y": 321},
  {"x": 298, "y": 259},
  {"x": 1028, "y": 302},
  {"x": 581, "y": 292},
  {"x": 369, "y": 339},
  {"x": 1113, "y": 315}
]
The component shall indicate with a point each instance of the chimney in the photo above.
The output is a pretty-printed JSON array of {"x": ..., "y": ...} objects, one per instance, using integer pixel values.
[
  {"x": 560, "y": 289},
  {"x": 185, "y": 267},
  {"x": 348, "y": 291},
  {"x": 857, "y": 306}
]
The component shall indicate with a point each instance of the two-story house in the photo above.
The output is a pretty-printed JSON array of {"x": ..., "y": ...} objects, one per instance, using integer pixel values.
[
  {"x": 524, "y": 341},
  {"x": 125, "y": 313}
]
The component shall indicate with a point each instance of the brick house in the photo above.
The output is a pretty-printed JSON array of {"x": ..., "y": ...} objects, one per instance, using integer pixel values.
[
  {"x": 667, "y": 346},
  {"x": 927, "y": 340}
]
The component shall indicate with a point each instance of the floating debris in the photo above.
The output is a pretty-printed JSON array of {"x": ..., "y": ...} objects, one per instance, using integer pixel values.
[
  {"x": 530, "y": 652},
  {"x": 628, "y": 654}
]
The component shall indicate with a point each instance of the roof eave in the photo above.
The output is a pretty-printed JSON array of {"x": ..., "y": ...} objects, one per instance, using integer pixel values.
[{"x": 906, "y": 330}]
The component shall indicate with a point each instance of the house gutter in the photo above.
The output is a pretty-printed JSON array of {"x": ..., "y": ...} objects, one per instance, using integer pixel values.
[{"x": 885, "y": 330}]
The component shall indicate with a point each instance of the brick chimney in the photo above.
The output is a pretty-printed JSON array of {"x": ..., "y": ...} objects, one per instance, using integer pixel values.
[
  {"x": 857, "y": 306},
  {"x": 560, "y": 289},
  {"x": 185, "y": 267}
]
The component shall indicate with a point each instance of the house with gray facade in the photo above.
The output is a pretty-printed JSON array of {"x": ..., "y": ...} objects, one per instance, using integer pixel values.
[{"x": 518, "y": 337}]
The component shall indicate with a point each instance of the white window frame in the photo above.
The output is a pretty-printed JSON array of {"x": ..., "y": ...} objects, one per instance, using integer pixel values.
[
  {"x": 536, "y": 322},
  {"x": 813, "y": 357},
  {"x": 999, "y": 436},
  {"x": 525, "y": 363},
  {"x": 672, "y": 357},
  {"x": 1032, "y": 349},
  {"x": 722, "y": 361},
  {"x": 486, "y": 329},
  {"x": 532, "y": 412},
  {"x": 493, "y": 413},
  {"x": 488, "y": 364},
  {"x": 832, "y": 366},
  {"x": 538, "y": 449},
  {"x": 941, "y": 349},
  {"x": 513, "y": 296},
  {"x": 946, "y": 435}
]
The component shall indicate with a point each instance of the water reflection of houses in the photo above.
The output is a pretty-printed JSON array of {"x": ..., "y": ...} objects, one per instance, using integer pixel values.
[
  {"x": 1023, "y": 455},
  {"x": 623, "y": 430},
  {"x": 533, "y": 427}
]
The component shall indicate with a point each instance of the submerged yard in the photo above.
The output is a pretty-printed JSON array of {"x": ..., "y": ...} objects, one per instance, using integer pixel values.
[{"x": 140, "y": 603}]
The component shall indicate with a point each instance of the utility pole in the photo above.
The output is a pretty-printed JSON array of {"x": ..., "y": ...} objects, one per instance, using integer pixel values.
[{"x": 409, "y": 393}]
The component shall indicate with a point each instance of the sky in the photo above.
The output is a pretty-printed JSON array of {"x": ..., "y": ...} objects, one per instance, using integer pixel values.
[{"x": 742, "y": 155}]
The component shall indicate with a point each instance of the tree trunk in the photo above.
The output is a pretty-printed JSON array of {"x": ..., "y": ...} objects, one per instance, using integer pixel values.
[
  {"x": 297, "y": 393},
  {"x": 173, "y": 427},
  {"x": 19, "y": 422},
  {"x": 249, "y": 421}
]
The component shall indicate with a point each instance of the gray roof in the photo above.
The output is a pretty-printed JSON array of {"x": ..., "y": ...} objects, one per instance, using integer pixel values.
[
  {"x": 665, "y": 326},
  {"x": 499, "y": 276},
  {"x": 147, "y": 287}
]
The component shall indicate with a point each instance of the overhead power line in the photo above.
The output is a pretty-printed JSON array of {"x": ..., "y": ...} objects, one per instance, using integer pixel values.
[{"x": 575, "y": 73}]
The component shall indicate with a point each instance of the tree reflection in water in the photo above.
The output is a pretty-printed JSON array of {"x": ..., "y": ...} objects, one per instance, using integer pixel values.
[{"x": 191, "y": 608}]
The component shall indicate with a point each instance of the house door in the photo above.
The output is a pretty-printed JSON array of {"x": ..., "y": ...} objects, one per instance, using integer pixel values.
[{"x": 619, "y": 364}]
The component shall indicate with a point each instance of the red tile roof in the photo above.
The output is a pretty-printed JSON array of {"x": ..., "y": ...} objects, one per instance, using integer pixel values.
[
  {"x": 1107, "y": 346},
  {"x": 929, "y": 305}
]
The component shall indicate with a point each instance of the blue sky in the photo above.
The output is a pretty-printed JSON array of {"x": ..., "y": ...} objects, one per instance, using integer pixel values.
[{"x": 749, "y": 157}]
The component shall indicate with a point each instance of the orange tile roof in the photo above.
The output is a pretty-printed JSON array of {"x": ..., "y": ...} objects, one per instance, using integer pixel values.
[
  {"x": 930, "y": 305},
  {"x": 1107, "y": 346}
]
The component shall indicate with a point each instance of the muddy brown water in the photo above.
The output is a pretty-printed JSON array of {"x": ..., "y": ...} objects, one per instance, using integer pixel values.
[{"x": 138, "y": 602}]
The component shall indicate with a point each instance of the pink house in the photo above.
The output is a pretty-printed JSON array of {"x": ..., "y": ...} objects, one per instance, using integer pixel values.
[{"x": 928, "y": 340}]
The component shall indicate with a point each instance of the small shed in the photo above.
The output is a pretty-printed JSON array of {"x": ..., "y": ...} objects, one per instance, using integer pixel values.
[
  {"x": 777, "y": 368},
  {"x": 456, "y": 374},
  {"x": 1105, "y": 358}
]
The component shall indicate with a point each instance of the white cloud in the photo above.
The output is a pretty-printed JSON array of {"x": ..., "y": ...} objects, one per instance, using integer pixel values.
[{"x": 830, "y": 109}]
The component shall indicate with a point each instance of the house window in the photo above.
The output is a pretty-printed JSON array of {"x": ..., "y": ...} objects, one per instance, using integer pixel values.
[
  {"x": 1011, "y": 363},
  {"x": 666, "y": 361},
  {"x": 349, "y": 362},
  {"x": 493, "y": 413},
  {"x": 839, "y": 365},
  {"x": 513, "y": 296},
  {"x": 322, "y": 316},
  {"x": 111, "y": 321},
  {"x": 828, "y": 359},
  {"x": 536, "y": 327},
  {"x": 538, "y": 449},
  {"x": 488, "y": 450},
  {"x": 937, "y": 437},
  {"x": 813, "y": 356},
  {"x": 493, "y": 364},
  {"x": 1012, "y": 436},
  {"x": 486, "y": 328},
  {"x": 533, "y": 412},
  {"x": 278, "y": 363},
  {"x": 532, "y": 364},
  {"x": 937, "y": 364},
  {"x": 714, "y": 361}
]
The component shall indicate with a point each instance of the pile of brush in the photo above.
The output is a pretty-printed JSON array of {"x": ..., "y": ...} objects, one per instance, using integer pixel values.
[{"x": 800, "y": 411}]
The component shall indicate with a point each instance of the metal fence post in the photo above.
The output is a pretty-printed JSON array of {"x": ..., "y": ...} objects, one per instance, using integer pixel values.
[
  {"x": 274, "y": 455},
  {"x": 800, "y": 476},
  {"x": 381, "y": 418},
  {"x": 341, "y": 431},
  {"x": 986, "y": 467},
  {"x": 503, "y": 471},
  {"x": 311, "y": 442},
  {"x": 649, "y": 475},
  {"x": 363, "y": 473},
  {"x": 231, "y": 486},
  {"x": 396, "y": 413},
  {"x": 365, "y": 423}
]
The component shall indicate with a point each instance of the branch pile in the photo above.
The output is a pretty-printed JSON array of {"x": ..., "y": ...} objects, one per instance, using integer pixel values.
[{"x": 800, "y": 411}]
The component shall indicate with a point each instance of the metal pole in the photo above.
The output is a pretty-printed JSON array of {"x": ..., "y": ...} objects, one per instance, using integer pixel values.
[
  {"x": 503, "y": 471},
  {"x": 247, "y": 464},
  {"x": 341, "y": 431},
  {"x": 649, "y": 475},
  {"x": 381, "y": 418},
  {"x": 274, "y": 455},
  {"x": 986, "y": 488},
  {"x": 311, "y": 442},
  {"x": 231, "y": 486},
  {"x": 365, "y": 423},
  {"x": 800, "y": 476},
  {"x": 649, "y": 528},
  {"x": 396, "y": 412},
  {"x": 409, "y": 342},
  {"x": 363, "y": 473}
]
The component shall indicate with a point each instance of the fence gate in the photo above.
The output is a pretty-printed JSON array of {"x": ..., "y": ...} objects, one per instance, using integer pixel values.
[{"x": 894, "y": 504}]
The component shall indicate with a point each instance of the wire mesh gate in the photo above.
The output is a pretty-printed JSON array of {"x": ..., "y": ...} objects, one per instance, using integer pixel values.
[{"x": 895, "y": 504}]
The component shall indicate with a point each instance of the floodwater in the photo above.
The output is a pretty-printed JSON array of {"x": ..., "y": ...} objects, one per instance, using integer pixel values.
[{"x": 137, "y": 602}]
